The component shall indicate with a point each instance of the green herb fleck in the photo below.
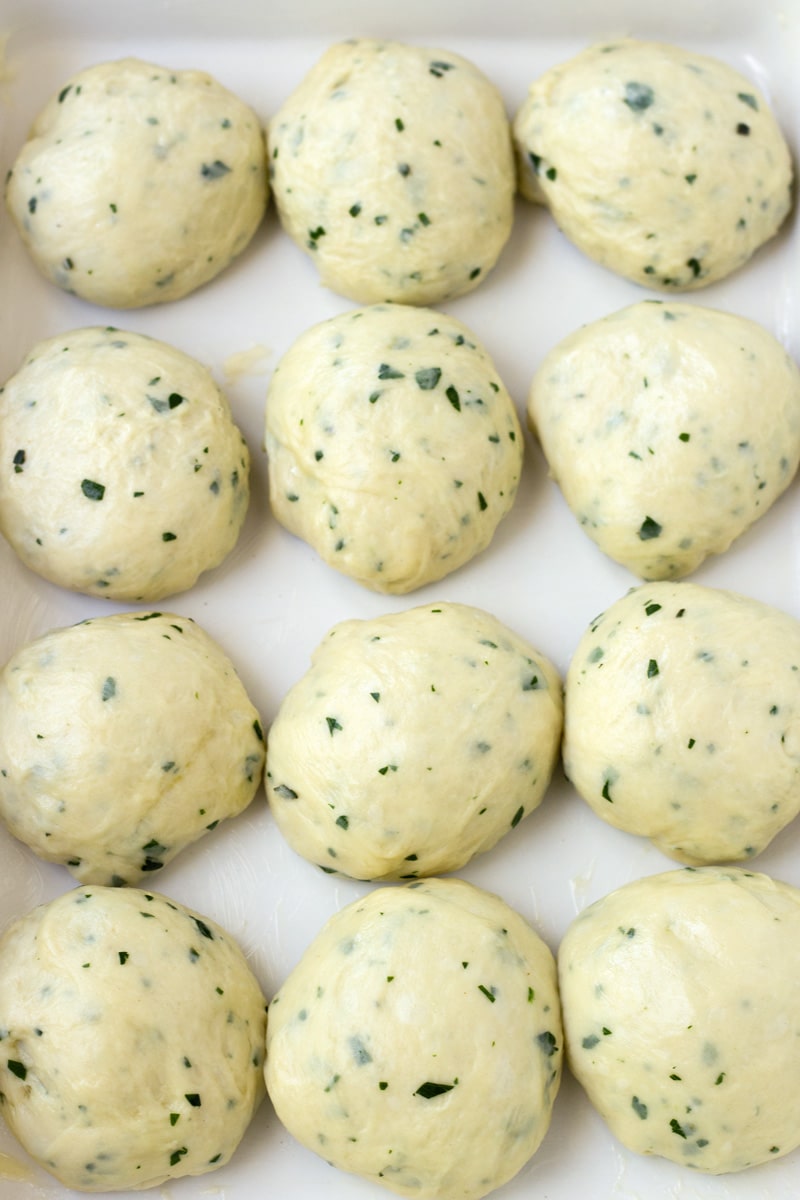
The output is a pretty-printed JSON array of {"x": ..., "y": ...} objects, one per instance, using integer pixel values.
[
  {"x": 428, "y": 1090},
  {"x": 487, "y": 993},
  {"x": 343, "y": 822},
  {"x": 333, "y": 725},
  {"x": 17, "y": 1068},
  {"x": 194, "y": 1099},
  {"x": 749, "y": 99},
  {"x": 652, "y": 669},
  {"x": 638, "y": 96},
  {"x": 517, "y": 817},
  {"x": 92, "y": 490},
  {"x": 639, "y": 1108},
  {"x": 123, "y": 957},
  {"x": 109, "y": 688},
  {"x": 169, "y": 537},
  {"x": 652, "y": 608},
  {"x": 387, "y": 372},
  {"x": 214, "y": 170},
  {"x": 428, "y": 377},
  {"x": 453, "y": 397},
  {"x": 675, "y": 1126},
  {"x": 649, "y": 529}
]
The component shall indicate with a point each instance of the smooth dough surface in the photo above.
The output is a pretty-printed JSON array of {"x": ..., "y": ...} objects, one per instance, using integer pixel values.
[
  {"x": 683, "y": 720},
  {"x": 122, "y": 740},
  {"x": 137, "y": 183},
  {"x": 394, "y": 448},
  {"x": 392, "y": 166},
  {"x": 122, "y": 473},
  {"x": 682, "y": 1018},
  {"x": 133, "y": 1039},
  {"x": 418, "y": 1042},
  {"x": 670, "y": 429},
  {"x": 414, "y": 742},
  {"x": 666, "y": 166}
]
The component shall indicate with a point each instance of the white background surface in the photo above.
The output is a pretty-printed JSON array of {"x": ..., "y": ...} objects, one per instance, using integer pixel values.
[{"x": 272, "y": 601}]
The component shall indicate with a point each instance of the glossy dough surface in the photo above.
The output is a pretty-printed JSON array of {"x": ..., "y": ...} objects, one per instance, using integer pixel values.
[
  {"x": 418, "y": 1041},
  {"x": 122, "y": 473},
  {"x": 137, "y": 183},
  {"x": 664, "y": 165},
  {"x": 133, "y": 1039},
  {"x": 122, "y": 740},
  {"x": 683, "y": 720},
  {"x": 392, "y": 166},
  {"x": 414, "y": 742},
  {"x": 682, "y": 1018},
  {"x": 670, "y": 429}
]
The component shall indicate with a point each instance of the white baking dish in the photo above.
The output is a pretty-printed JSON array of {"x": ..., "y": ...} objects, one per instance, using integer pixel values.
[{"x": 271, "y": 602}]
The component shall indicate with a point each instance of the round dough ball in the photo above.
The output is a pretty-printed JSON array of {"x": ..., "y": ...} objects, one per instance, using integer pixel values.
[
  {"x": 682, "y": 1019},
  {"x": 663, "y": 165},
  {"x": 122, "y": 473},
  {"x": 394, "y": 448},
  {"x": 137, "y": 183},
  {"x": 122, "y": 740},
  {"x": 413, "y": 743},
  {"x": 418, "y": 1042},
  {"x": 133, "y": 1034},
  {"x": 670, "y": 429},
  {"x": 683, "y": 720},
  {"x": 393, "y": 167}
]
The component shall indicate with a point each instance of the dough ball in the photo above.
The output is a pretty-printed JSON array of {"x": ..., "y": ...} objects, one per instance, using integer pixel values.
[
  {"x": 681, "y": 1015},
  {"x": 683, "y": 720},
  {"x": 138, "y": 184},
  {"x": 413, "y": 743},
  {"x": 393, "y": 167},
  {"x": 665, "y": 166},
  {"x": 394, "y": 448},
  {"x": 418, "y": 1042},
  {"x": 122, "y": 473},
  {"x": 122, "y": 740},
  {"x": 670, "y": 429},
  {"x": 133, "y": 1034}
]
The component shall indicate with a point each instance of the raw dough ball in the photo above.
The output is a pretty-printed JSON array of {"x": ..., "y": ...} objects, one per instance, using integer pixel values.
[
  {"x": 683, "y": 720},
  {"x": 418, "y": 1043},
  {"x": 392, "y": 165},
  {"x": 670, "y": 429},
  {"x": 682, "y": 1018},
  {"x": 138, "y": 184},
  {"x": 133, "y": 1033},
  {"x": 414, "y": 742},
  {"x": 394, "y": 448},
  {"x": 122, "y": 740},
  {"x": 122, "y": 473},
  {"x": 664, "y": 165}
]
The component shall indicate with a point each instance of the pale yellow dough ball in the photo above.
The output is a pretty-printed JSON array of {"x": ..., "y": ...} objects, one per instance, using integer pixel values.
[
  {"x": 681, "y": 1015},
  {"x": 414, "y": 742},
  {"x": 670, "y": 429},
  {"x": 394, "y": 448},
  {"x": 122, "y": 473},
  {"x": 122, "y": 740},
  {"x": 683, "y": 720},
  {"x": 133, "y": 1039},
  {"x": 418, "y": 1042},
  {"x": 666, "y": 166},
  {"x": 392, "y": 167},
  {"x": 138, "y": 183}
]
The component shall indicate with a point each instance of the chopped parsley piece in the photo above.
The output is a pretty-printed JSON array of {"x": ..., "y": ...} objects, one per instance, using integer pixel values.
[
  {"x": 638, "y": 96},
  {"x": 649, "y": 529},
  {"x": 92, "y": 490},
  {"x": 428, "y": 377},
  {"x": 333, "y": 725},
  {"x": 639, "y": 1108},
  {"x": 652, "y": 669},
  {"x": 214, "y": 170},
  {"x": 517, "y": 817},
  {"x": 109, "y": 688},
  {"x": 387, "y": 372},
  {"x": 17, "y": 1068},
  {"x": 428, "y": 1090},
  {"x": 487, "y": 993}
]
